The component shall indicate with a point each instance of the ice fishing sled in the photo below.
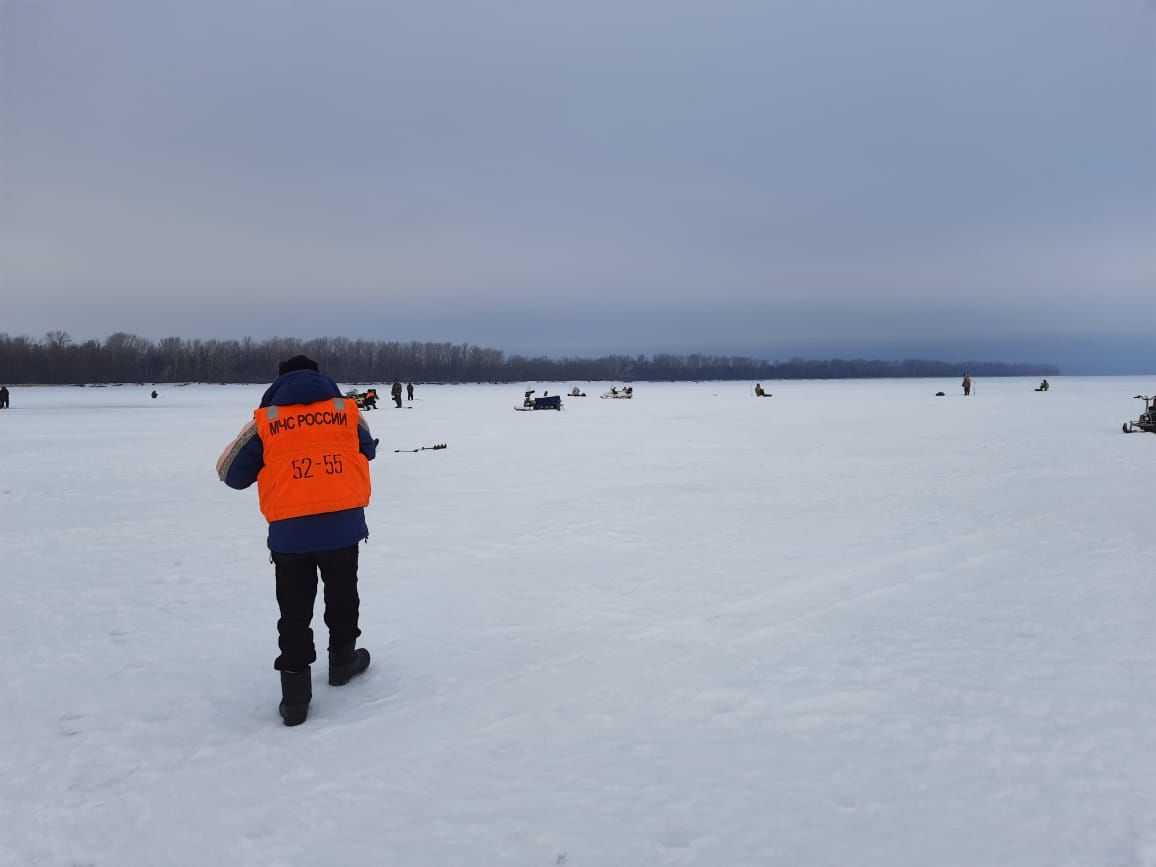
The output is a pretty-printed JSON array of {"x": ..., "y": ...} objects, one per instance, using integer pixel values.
[
  {"x": 530, "y": 403},
  {"x": 1147, "y": 419}
]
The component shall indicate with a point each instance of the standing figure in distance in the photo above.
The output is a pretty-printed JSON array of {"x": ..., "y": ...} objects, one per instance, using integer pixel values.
[
  {"x": 395, "y": 392},
  {"x": 966, "y": 385},
  {"x": 308, "y": 449},
  {"x": 409, "y": 391},
  {"x": 3, "y": 397}
]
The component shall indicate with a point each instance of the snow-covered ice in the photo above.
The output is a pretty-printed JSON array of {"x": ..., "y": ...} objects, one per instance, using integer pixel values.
[{"x": 852, "y": 624}]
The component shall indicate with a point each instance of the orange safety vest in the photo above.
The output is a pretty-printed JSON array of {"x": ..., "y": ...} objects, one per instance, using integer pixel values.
[{"x": 313, "y": 461}]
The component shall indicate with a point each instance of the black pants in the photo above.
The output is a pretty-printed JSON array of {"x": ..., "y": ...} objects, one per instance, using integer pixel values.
[{"x": 296, "y": 590}]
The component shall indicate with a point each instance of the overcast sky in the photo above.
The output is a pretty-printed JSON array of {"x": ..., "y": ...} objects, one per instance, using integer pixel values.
[{"x": 953, "y": 179}]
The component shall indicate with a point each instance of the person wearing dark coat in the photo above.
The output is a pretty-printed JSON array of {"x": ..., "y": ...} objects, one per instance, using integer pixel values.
[
  {"x": 3, "y": 397},
  {"x": 308, "y": 449},
  {"x": 395, "y": 391},
  {"x": 409, "y": 391}
]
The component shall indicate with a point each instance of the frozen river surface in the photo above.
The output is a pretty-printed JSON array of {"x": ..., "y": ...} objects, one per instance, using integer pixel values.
[{"x": 851, "y": 624}]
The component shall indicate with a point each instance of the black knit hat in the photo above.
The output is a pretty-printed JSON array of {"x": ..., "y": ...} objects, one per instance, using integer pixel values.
[{"x": 297, "y": 362}]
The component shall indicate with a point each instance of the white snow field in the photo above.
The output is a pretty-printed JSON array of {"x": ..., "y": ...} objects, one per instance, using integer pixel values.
[{"x": 851, "y": 624}]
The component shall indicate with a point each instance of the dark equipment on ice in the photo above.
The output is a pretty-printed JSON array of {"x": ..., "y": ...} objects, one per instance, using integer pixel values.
[
  {"x": 546, "y": 402},
  {"x": 436, "y": 448},
  {"x": 1147, "y": 419}
]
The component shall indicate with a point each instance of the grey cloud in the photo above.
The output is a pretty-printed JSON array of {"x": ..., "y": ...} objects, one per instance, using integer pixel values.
[{"x": 683, "y": 174}]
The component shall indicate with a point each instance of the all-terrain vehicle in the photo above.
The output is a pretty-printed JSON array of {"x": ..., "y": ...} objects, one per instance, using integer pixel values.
[
  {"x": 364, "y": 400},
  {"x": 1147, "y": 419}
]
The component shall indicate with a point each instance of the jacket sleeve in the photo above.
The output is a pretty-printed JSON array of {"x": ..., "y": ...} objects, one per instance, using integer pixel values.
[
  {"x": 242, "y": 459},
  {"x": 367, "y": 445}
]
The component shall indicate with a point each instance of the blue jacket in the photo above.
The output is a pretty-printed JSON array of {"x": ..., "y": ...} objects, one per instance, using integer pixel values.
[{"x": 245, "y": 456}]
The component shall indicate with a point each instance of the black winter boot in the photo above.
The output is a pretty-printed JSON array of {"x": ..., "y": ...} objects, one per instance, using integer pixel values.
[
  {"x": 345, "y": 663},
  {"x": 296, "y": 693}
]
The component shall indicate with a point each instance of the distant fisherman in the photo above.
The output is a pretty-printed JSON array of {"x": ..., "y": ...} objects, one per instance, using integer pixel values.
[
  {"x": 308, "y": 449},
  {"x": 3, "y": 397}
]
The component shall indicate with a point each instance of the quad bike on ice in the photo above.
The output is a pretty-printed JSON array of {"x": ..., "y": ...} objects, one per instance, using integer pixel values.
[
  {"x": 364, "y": 400},
  {"x": 1147, "y": 419}
]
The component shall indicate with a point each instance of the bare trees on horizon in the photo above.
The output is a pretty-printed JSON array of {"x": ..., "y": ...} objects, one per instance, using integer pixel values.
[{"x": 121, "y": 357}]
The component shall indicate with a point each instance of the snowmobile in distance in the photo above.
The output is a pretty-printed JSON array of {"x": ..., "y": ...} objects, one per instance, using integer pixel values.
[
  {"x": 616, "y": 393},
  {"x": 1147, "y": 419},
  {"x": 544, "y": 402}
]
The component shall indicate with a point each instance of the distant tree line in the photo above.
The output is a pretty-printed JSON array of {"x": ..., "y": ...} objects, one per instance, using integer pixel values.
[{"x": 57, "y": 359}]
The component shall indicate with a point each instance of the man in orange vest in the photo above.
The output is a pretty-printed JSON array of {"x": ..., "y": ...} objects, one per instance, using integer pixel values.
[{"x": 308, "y": 449}]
